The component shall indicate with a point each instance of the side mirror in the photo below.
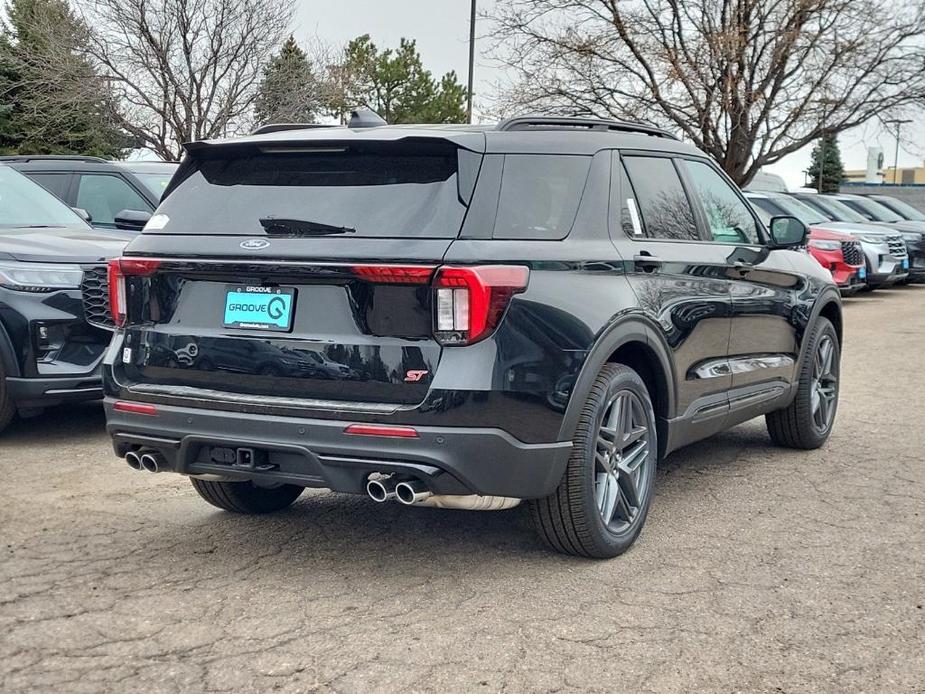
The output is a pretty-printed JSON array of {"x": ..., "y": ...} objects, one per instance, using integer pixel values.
[
  {"x": 132, "y": 220},
  {"x": 787, "y": 232},
  {"x": 83, "y": 214}
]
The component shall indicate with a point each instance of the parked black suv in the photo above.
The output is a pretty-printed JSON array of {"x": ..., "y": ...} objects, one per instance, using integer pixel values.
[
  {"x": 54, "y": 319},
  {"x": 113, "y": 194},
  {"x": 463, "y": 317}
]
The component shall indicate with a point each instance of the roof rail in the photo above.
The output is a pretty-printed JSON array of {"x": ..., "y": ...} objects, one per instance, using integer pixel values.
[
  {"x": 554, "y": 122},
  {"x": 53, "y": 157},
  {"x": 279, "y": 127}
]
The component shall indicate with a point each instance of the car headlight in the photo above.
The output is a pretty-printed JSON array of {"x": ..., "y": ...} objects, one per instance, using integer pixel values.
[
  {"x": 870, "y": 239},
  {"x": 825, "y": 245},
  {"x": 39, "y": 277}
]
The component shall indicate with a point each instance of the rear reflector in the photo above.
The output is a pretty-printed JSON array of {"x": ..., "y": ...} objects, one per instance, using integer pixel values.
[
  {"x": 135, "y": 408},
  {"x": 381, "y": 430}
]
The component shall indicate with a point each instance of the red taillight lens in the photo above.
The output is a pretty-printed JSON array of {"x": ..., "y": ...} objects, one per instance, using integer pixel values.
[
  {"x": 470, "y": 301},
  {"x": 119, "y": 269},
  {"x": 394, "y": 274}
]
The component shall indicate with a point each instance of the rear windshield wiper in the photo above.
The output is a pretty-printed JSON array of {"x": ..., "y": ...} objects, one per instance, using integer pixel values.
[{"x": 301, "y": 227}]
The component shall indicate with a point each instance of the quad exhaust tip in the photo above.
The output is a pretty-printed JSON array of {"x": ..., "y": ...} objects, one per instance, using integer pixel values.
[
  {"x": 411, "y": 492},
  {"x": 151, "y": 462},
  {"x": 380, "y": 489},
  {"x": 133, "y": 460}
]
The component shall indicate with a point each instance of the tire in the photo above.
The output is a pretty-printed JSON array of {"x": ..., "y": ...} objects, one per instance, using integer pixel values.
[
  {"x": 246, "y": 497},
  {"x": 798, "y": 425},
  {"x": 7, "y": 406},
  {"x": 571, "y": 519}
]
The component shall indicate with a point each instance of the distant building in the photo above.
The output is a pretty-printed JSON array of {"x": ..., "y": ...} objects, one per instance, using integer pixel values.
[{"x": 906, "y": 176}]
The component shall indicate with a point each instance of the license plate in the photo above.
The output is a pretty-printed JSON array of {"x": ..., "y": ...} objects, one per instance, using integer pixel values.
[
  {"x": 259, "y": 308},
  {"x": 905, "y": 263},
  {"x": 862, "y": 272}
]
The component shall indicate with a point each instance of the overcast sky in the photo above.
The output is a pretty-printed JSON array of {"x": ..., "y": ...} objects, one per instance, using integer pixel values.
[{"x": 441, "y": 28}]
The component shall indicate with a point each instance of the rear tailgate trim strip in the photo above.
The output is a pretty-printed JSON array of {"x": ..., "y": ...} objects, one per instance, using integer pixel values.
[{"x": 192, "y": 393}]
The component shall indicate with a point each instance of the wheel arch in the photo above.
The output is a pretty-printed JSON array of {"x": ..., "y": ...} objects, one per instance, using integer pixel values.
[
  {"x": 8, "y": 360},
  {"x": 831, "y": 309},
  {"x": 636, "y": 344}
]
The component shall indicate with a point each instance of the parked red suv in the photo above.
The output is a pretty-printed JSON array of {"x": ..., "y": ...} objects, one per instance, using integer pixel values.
[{"x": 842, "y": 255}]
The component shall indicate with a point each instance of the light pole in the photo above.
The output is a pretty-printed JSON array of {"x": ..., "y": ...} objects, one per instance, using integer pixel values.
[
  {"x": 898, "y": 123},
  {"x": 471, "y": 61}
]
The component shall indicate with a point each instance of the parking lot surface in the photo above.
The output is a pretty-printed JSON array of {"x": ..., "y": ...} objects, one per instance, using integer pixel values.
[{"x": 759, "y": 569}]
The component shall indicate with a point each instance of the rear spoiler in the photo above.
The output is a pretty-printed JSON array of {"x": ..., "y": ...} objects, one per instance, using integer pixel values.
[{"x": 329, "y": 137}]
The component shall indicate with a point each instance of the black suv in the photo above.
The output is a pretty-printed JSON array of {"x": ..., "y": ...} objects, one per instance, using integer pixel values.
[
  {"x": 462, "y": 317},
  {"x": 112, "y": 194},
  {"x": 54, "y": 318}
]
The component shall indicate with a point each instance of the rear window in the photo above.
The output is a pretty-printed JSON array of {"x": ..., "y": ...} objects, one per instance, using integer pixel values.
[
  {"x": 367, "y": 190},
  {"x": 540, "y": 195}
]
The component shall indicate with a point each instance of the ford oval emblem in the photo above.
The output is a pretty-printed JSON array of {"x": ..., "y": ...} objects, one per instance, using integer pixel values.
[{"x": 255, "y": 244}]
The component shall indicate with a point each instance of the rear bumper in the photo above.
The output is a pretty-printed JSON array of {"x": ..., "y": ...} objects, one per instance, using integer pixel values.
[
  {"x": 31, "y": 393},
  {"x": 317, "y": 453}
]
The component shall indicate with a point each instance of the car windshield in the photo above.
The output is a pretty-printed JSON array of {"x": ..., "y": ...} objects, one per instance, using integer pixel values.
[
  {"x": 24, "y": 203},
  {"x": 155, "y": 182},
  {"x": 873, "y": 209},
  {"x": 835, "y": 209},
  {"x": 390, "y": 190},
  {"x": 801, "y": 211},
  {"x": 903, "y": 208}
]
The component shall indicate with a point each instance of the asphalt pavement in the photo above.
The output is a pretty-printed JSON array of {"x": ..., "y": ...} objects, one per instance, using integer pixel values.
[{"x": 760, "y": 569}]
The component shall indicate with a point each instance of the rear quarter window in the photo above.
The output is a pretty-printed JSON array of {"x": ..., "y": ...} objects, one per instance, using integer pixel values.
[{"x": 540, "y": 195}]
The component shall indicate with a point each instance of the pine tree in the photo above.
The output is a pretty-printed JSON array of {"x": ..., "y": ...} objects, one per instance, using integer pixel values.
[
  {"x": 833, "y": 172},
  {"x": 52, "y": 101},
  {"x": 395, "y": 84},
  {"x": 290, "y": 91}
]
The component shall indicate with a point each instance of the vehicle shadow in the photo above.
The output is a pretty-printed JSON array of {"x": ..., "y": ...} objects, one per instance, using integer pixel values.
[
  {"x": 345, "y": 532},
  {"x": 57, "y": 425}
]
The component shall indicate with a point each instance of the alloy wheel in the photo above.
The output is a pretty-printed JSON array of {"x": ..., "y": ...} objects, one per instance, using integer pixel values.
[
  {"x": 824, "y": 387},
  {"x": 621, "y": 461}
]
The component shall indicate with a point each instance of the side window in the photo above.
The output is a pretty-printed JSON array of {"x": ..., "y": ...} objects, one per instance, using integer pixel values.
[
  {"x": 54, "y": 183},
  {"x": 662, "y": 203},
  {"x": 104, "y": 196},
  {"x": 539, "y": 195},
  {"x": 761, "y": 209},
  {"x": 728, "y": 216}
]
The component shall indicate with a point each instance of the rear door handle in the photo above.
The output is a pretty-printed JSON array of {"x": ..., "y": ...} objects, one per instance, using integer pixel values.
[{"x": 647, "y": 262}]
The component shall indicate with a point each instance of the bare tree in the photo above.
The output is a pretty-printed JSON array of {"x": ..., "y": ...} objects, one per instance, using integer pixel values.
[
  {"x": 748, "y": 81},
  {"x": 184, "y": 69}
]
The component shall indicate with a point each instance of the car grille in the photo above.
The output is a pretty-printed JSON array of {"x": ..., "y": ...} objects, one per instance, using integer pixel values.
[
  {"x": 851, "y": 250},
  {"x": 95, "y": 291},
  {"x": 897, "y": 246}
]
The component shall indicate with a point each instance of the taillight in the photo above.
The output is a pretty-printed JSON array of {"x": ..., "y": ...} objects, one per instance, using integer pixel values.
[
  {"x": 119, "y": 269},
  {"x": 470, "y": 301},
  {"x": 395, "y": 274}
]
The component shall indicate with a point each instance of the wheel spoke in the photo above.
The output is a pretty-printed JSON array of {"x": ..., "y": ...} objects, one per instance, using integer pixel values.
[
  {"x": 616, "y": 415},
  {"x": 822, "y": 414},
  {"x": 635, "y": 433},
  {"x": 608, "y": 497},
  {"x": 827, "y": 352},
  {"x": 633, "y": 458},
  {"x": 629, "y": 489},
  {"x": 602, "y": 458}
]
